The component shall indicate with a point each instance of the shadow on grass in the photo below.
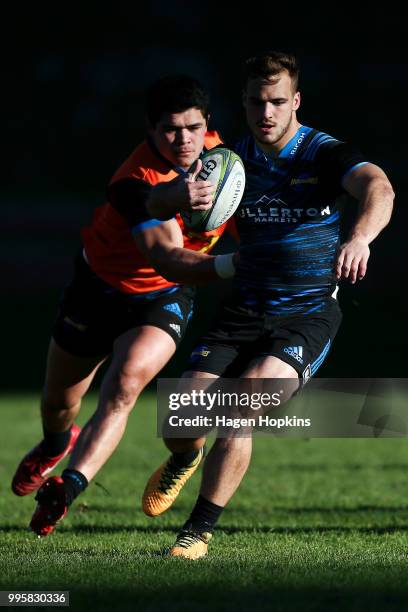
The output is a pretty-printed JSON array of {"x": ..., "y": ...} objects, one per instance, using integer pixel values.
[{"x": 223, "y": 595}]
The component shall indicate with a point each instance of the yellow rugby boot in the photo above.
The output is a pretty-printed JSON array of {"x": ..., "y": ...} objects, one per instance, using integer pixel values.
[
  {"x": 166, "y": 483},
  {"x": 191, "y": 545}
]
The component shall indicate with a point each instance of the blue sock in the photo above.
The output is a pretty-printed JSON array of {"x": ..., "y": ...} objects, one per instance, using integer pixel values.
[{"x": 75, "y": 482}]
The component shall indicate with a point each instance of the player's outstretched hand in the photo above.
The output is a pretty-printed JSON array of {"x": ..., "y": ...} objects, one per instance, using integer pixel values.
[
  {"x": 182, "y": 193},
  {"x": 352, "y": 260}
]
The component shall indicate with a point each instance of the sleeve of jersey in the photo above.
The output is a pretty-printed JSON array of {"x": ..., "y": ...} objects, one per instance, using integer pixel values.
[
  {"x": 335, "y": 160},
  {"x": 128, "y": 197}
]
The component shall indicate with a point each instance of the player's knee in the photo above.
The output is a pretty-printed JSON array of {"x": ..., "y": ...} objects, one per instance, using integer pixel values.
[
  {"x": 58, "y": 400},
  {"x": 233, "y": 442},
  {"x": 124, "y": 388}
]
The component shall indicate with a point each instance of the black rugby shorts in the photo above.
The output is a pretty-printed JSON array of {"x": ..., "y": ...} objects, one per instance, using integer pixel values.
[
  {"x": 92, "y": 313},
  {"x": 241, "y": 335}
]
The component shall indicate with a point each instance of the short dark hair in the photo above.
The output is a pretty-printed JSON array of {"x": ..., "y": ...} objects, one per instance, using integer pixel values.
[
  {"x": 175, "y": 94},
  {"x": 269, "y": 64}
]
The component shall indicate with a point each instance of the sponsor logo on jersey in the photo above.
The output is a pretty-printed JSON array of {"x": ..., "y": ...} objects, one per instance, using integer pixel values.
[
  {"x": 200, "y": 351},
  {"x": 176, "y": 328},
  {"x": 79, "y": 326},
  {"x": 295, "y": 351},
  {"x": 275, "y": 210},
  {"x": 310, "y": 180},
  {"x": 298, "y": 143}
]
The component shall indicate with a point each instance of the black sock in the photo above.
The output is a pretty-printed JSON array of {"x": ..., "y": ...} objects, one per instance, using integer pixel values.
[
  {"x": 204, "y": 516},
  {"x": 184, "y": 459},
  {"x": 55, "y": 443},
  {"x": 75, "y": 482}
]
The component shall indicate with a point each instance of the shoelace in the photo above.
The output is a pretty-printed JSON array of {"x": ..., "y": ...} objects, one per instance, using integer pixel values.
[
  {"x": 170, "y": 474},
  {"x": 186, "y": 539}
]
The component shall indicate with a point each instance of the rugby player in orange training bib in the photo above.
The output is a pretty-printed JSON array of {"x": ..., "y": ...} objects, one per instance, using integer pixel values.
[{"x": 125, "y": 299}]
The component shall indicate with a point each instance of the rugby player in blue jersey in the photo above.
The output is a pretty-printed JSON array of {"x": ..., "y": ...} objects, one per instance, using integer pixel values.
[{"x": 284, "y": 315}]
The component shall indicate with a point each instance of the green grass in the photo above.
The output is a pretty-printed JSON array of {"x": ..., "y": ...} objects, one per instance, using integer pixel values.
[{"x": 316, "y": 525}]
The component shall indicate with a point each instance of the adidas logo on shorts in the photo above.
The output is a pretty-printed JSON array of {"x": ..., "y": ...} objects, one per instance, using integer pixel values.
[
  {"x": 175, "y": 309},
  {"x": 176, "y": 328},
  {"x": 295, "y": 351}
]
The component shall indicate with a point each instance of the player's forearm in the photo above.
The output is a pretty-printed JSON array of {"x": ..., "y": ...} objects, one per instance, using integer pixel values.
[
  {"x": 158, "y": 204},
  {"x": 376, "y": 204},
  {"x": 192, "y": 267},
  {"x": 187, "y": 267}
]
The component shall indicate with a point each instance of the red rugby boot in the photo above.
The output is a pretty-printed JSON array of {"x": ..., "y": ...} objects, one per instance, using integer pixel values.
[
  {"x": 51, "y": 507},
  {"x": 35, "y": 466}
]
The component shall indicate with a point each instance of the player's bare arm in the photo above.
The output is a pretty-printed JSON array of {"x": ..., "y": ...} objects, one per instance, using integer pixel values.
[
  {"x": 182, "y": 193},
  {"x": 162, "y": 245},
  {"x": 371, "y": 187}
]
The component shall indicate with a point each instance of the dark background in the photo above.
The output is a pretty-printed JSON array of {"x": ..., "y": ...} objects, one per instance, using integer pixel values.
[{"x": 73, "y": 91}]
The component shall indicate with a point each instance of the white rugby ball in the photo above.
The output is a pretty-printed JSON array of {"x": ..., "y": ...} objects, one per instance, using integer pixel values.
[{"x": 225, "y": 170}]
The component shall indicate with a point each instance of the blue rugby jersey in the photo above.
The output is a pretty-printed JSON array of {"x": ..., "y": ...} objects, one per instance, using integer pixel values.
[{"x": 288, "y": 222}]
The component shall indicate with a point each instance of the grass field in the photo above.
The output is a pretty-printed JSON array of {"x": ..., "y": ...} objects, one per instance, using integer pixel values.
[{"x": 316, "y": 525}]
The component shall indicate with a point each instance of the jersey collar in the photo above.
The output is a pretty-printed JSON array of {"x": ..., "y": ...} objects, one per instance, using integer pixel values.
[
  {"x": 291, "y": 148},
  {"x": 288, "y": 152}
]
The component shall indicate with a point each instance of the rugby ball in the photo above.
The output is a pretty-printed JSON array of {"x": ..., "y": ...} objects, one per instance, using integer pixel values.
[{"x": 225, "y": 170}]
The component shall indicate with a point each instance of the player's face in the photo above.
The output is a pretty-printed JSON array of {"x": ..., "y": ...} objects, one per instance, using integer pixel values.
[
  {"x": 271, "y": 106},
  {"x": 179, "y": 137}
]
